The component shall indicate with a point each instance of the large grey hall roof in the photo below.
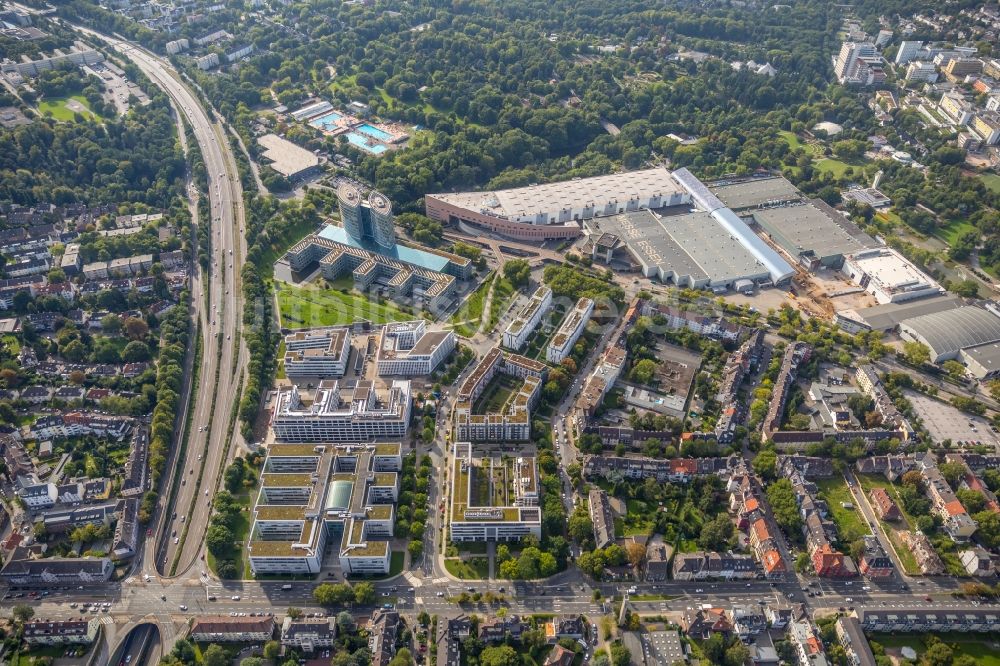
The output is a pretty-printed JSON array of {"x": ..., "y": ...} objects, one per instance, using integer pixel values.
[{"x": 951, "y": 330}]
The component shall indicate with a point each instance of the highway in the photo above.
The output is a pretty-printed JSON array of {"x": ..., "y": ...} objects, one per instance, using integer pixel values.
[{"x": 217, "y": 307}]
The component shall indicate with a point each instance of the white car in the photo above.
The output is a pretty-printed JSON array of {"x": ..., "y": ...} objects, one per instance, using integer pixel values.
[
  {"x": 236, "y": 597},
  {"x": 177, "y": 540}
]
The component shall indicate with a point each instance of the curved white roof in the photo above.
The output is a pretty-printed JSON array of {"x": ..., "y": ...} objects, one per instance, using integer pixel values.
[
  {"x": 777, "y": 268},
  {"x": 949, "y": 331}
]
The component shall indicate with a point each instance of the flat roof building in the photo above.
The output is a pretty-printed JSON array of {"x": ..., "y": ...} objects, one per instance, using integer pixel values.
[
  {"x": 288, "y": 159},
  {"x": 690, "y": 250},
  {"x": 513, "y": 420},
  {"x": 314, "y": 497},
  {"x": 812, "y": 233},
  {"x": 408, "y": 348},
  {"x": 319, "y": 354},
  {"x": 554, "y": 210},
  {"x": 754, "y": 192},
  {"x": 342, "y": 411},
  {"x": 569, "y": 331},
  {"x": 527, "y": 319},
  {"x": 888, "y": 276},
  {"x": 494, "y": 497},
  {"x": 888, "y": 316}
]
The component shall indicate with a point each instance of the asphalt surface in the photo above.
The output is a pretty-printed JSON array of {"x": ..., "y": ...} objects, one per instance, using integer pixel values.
[{"x": 223, "y": 355}]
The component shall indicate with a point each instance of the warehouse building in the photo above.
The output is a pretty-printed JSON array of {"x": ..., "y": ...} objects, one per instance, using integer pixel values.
[
  {"x": 812, "y": 233},
  {"x": 888, "y": 276},
  {"x": 948, "y": 333},
  {"x": 888, "y": 316},
  {"x": 754, "y": 192},
  {"x": 554, "y": 210}
]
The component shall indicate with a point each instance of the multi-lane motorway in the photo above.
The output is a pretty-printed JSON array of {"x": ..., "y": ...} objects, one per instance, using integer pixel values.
[{"x": 217, "y": 307}]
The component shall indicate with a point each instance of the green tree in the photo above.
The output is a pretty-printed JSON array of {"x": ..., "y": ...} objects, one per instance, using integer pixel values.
[
  {"x": 766, "y": 464},
  {"x": 499, "y": 655},
  {"x": 364, "y": 593},
  {"x": 644, "y": 371},
  {"x": 272, "y": 649},
  {"x": 716, "y": 534},
  {"x": 218, "y": 540},
  {"x": 214, "y": 655},
  {"x": 518, "y": 272},
  {"x": 22, "y": 613},
  {"x": 916, "y": 353},
  {"x": 252, "y": 661}
]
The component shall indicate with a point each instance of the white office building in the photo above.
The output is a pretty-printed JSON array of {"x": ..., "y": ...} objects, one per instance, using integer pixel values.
[
  {"x": 408, "y": 348},
  {"x": 888, "y": 276},
  {"x": 569, "y": 331},
  {"x": 348, "y": 411},
  {"x": 317, "y": 354},
  {"x": 527, "y": 319}
]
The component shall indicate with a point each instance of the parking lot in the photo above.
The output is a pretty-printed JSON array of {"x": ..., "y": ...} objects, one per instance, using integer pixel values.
[
  {"x": 117, "y": 87},
  {"x": 946, "y": 422}
]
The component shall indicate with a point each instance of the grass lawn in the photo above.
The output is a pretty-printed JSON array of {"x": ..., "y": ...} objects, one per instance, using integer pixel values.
[
  {"x": 836, "y": 167},
  {"x": 984, "y": 653},
  {"x": 950, "y": 233},
  {"x": 280, "y": 373},
  {"x": 502, "y": 295},
  {"x": 298, "y": 232},
  {"x": 310, "y": 306},
  {"x": 868, "y": 482},
  {"x": 850, "y": 525},
  {"x": 475, "y": 568},
  {"x": 992, "y": 181},
  {"x": 791, "y": 138},
  {"x": 636, "y": 521},
  {"x": 497, "y": 394},
  {"x": 59, "y": 108},
  {"x": 467, "y": 318}
]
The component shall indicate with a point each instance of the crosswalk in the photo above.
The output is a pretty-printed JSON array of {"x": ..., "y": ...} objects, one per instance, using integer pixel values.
[{"x": 107, "y": 619}]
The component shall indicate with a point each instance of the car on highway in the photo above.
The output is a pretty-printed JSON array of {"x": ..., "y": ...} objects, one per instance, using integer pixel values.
[
  {"x": 177, "y": 540},
  {"x": 183, "y": 607},
  {"x": 235, "y": 597}
]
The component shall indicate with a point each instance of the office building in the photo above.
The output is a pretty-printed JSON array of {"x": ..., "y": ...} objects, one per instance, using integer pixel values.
[
  {"x": 527, "y": 319},
  {"x": 908, "y": 51},
  {"x": 921, "y": 71},
  {"x": 986, "y": 125},
  {"x": 408, "y": 349},
  {"x": 570, "y": 330},
  {"x": 319, "y": 354},
  {"x": 317, "y": 497},
  {"x": 343, "y": 411},
  {"x": 888, "y": 276},
  {"x": 368, "y": 219},
  {"x": 494, "y": 497}
]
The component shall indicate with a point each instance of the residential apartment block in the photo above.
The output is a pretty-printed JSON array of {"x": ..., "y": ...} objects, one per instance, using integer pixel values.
[
  {"x": 527, "y": 319},
  {"x": 316, "y": 497},
  {"x": 408, "y": 348},
  {"x": 308, "y": 634},
  {"x": 701, "y": 565},
  {"x": 228, "y": 629},
  {"x": 957, "y": 522},
  {"x": 343, "y": 411},
  {"x": 61, "y": 632},
  {"x": 602, "y": 517},
  {"x": 494, "y": 497},
  {"x": 674, "y": 470},
  {"x": 513, "y": 421},
  {"x": 569, "y": 331}
]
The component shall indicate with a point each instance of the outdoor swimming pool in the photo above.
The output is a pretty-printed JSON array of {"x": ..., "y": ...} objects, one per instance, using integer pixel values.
[
  {"x": 374, "y": 132},
  {"x": 361, "y": 142},
  {"x": 327, "y": 121}
]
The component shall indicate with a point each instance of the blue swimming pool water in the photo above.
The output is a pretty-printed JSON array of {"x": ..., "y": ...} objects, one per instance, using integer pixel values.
[
  {"x": 327, "y": 121},
  {"x": 375, "y": 132},
  {"x": 361, "y": 142}
]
